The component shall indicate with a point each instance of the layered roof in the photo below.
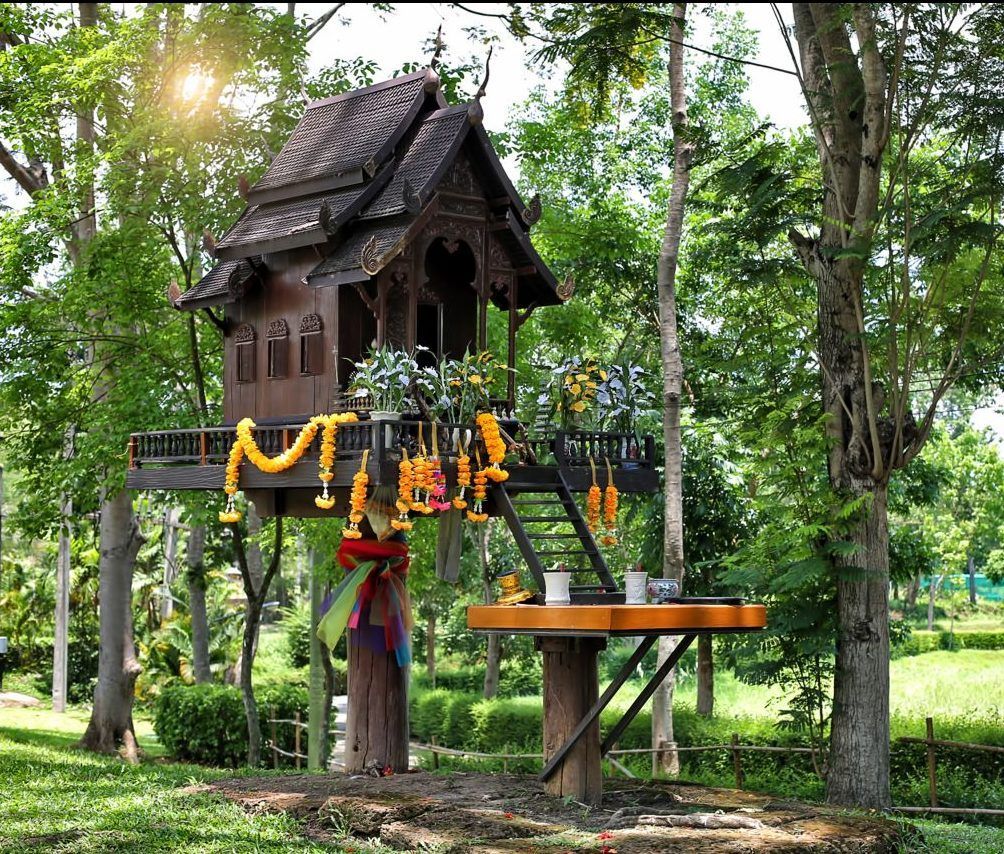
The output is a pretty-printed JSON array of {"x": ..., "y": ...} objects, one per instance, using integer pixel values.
[{"x": 357, "y": 180}]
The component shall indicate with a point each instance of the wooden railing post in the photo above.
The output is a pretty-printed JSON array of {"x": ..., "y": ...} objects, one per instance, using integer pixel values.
[
  {"x": 202, "y": 448},
  {"x": 296, "y": 738},
  {"x": 275, "y": 740},
  {"x": 932, "y": 769},
  {"x": 737, "y": 762}
]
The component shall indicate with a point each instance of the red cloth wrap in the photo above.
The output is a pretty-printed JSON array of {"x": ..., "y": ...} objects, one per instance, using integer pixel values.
[{"x": 382, "y": 613}]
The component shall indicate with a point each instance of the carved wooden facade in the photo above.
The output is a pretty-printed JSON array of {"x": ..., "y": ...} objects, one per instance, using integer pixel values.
[{"x": 386, "y": 219}]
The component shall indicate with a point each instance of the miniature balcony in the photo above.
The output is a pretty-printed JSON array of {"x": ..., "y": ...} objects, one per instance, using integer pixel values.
[{"x": 196, "y": 458}]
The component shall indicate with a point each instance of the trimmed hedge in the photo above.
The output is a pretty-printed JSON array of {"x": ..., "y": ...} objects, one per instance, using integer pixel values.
[
  {"x": 918, "y": 642},
  {"x": 516, "y": 679},
  {"x": 513, "y": 725},
  {"x": 206, "y": 723}
]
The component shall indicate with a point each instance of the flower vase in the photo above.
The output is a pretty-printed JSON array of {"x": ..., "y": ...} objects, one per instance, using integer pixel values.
[
  {"x": 556, "y": 588},
  {"x": 381, "y": 415}
]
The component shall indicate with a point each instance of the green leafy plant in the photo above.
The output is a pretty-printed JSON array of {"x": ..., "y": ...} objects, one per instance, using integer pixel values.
[{"x": 385, "y": 375}]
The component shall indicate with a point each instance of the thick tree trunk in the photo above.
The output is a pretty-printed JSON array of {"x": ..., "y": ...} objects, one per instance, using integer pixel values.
[
  {"x": 196, "y": 577},
  {"x": 111, "y": 723},
  {"x": 859, "y": 743},
  {"x": 705, "y": 676},
  {"x": 672, "y": 369}
]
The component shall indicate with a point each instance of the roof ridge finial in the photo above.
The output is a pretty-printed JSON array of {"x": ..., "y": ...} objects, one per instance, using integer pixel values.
[
  {"x": 438, "y": 52},
  {"x": 475, "y": 113}
]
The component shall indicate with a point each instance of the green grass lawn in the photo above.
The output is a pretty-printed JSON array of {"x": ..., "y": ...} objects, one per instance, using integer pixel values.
[{"x": 57, "y": 798}]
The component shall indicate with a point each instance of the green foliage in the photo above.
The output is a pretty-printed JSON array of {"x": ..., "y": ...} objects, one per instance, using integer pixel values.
[
  {"x": 919, "y": 642},
  {"x": 206, "y": 723},
  {"x": 296, "y": 624}
]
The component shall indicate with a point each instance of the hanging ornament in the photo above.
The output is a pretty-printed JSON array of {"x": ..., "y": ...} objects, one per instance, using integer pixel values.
[
  {"x": 437, "y": 480},
  {"x": 492, "y": 437},
  {"x": 357, "y": 500},
  {"x": 610, "y": 498},
  {"x": 463, "y": 479},
  {"x": 593, "y": 502},
  {"x": 477, "y": 512},
  {"x": 405, "y": 485}
]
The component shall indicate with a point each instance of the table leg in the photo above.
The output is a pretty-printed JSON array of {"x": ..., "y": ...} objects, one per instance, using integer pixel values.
[
  {"x": 647, "y": 692},
  {"x": 594, "y": 712}
]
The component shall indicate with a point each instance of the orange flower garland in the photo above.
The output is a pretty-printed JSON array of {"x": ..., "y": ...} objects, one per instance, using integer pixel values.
[
  {"x": 610, "y": 497},
  {"x": 245, "y": 445},
  {"x": 492, "y": 437},
  {"x": 405, "y": 488},
  {"x": 593, "y": 503},
  {"x": 463, "y": 479},
  {"x": 476, "y": 513},
  {"x": 357, "y": 500}
]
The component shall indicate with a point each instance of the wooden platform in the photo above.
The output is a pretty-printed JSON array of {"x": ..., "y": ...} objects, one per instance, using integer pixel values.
[{"x": 615, "y": 620}]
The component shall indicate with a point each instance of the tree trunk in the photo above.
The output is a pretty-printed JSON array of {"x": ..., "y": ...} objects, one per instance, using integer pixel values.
[
  {"x": 672, "y": 369},
  {"x": 376, "y": 732},
  {"x": 912, "y": 592},
  {"x": 172, "y": 519},
  {"x": 430, "y": 648},
  {"x": 494, "y": 660},
  {"x": 972, "y": 580},
  {"x": 255, "y": 565},
  {"x": 255, "y": 596},
  {"x": 859, "y": 741},
  {"x": 321, "y": 683},
  {"x": 932, "y": 592},
  {"x": 705, "y": 676},
  {"x": 111, "y": 722},
  {"x": 195, "y": 558},
  {"x": 61, "y": 633}
]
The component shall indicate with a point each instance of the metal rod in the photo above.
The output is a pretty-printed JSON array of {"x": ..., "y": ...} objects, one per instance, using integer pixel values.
[
  {"x": 622, "y": 676},
  {"x": 647, "y": 692}
]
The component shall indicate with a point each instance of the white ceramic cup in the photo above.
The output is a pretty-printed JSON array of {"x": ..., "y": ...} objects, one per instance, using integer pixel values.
[{"x": 635, "y": 584}]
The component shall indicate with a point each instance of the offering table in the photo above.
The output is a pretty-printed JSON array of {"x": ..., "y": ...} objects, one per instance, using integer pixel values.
[{"x": 569, "y": 637}]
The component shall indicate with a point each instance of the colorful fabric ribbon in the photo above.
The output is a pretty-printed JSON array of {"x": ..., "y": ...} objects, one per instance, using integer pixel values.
[{"x": 372, "y": 598}]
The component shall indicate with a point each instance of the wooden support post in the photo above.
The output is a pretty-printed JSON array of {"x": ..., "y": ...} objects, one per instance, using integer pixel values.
[
  {"x": 377, "y": 727},
  {"x": 275, "y": 738},
  {"x": 932, "y": 768},
  {"x": 570, "y": 689},
  {"x": 316, "y": 717},
  {"x": 737, "y": 761},
  {"x": 296, "y": 738}
]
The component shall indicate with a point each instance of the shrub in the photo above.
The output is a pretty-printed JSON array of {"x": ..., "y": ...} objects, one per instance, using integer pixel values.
[
  {"x": 296, "y": 624},
  {"x": 918, "y": 642},
  {"x": 517, "y": 678},
  {"x": 206, "y": 723},
  {"x": 81, "y": 666}
]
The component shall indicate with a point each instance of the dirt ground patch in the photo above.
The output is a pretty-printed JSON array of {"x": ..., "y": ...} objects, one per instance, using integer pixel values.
[{"x": 502, "y": 814}]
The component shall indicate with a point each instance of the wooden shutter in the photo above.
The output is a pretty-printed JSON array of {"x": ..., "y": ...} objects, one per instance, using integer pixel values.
[
  {"x": 311, "y": 346},
  {"x": 244, "y": 341},
  {"x": 278, "y": 349}
]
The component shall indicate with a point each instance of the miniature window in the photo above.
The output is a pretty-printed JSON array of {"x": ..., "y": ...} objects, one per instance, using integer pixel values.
[
  {"x": 244, "y": 339},
  {"x": 311, "y": 346},
  {"x": 278, "y": 349}
]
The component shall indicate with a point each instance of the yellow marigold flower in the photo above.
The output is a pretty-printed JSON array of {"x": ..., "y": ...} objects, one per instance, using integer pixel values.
[
  {"x": 476, "y": 379},
  {"x": 576, "y": 388},
  {"x": 582, "y": 377},
  {"x": 578, "y": 406},
  {"x": 603, "y": 375}
]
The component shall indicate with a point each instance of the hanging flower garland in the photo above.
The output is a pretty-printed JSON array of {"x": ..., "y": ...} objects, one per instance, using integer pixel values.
[
  {"x": 357, "y": 500},
  {"x": 405, "y": 487},
  {"x": 423, "y": 482},
  {"x": 494, "y": 445},
  {"x": 610, "y": 498},
  {"x": 245, "y": 445},
  {"x": 593, "y": 502},
  {"x": 463, "y": 479},
  {"x": 477, "y": 513},
  {"x": 437, "y": 480}
]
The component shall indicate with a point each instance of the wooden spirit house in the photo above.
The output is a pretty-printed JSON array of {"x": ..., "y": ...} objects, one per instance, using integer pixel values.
[{"x": 386, "y": 219}]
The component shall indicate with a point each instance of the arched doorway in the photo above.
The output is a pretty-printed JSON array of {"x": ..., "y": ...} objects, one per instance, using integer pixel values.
[{"x": 446, "y": 321}]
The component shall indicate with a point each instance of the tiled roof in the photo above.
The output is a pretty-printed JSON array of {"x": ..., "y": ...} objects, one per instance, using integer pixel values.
[
  {"x": 431, "y": 150},
  {"x": 296, "y": 222},
  {"x": 349, "y": 132},
  {"x": 220, "y": 285},
  {"x": 347, "y": 256}
]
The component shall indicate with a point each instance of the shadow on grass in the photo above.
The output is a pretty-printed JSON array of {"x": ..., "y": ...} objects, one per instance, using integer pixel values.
[{"x": 53, "y": 739}]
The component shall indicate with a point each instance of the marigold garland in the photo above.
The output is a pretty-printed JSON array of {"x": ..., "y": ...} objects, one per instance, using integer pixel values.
[
  {"x": 405, "y": 487},
  {"x": 423, "y": 482},
  {"x": 436, "y": 498},
  {"x": 245, "y": 445},
  {"x": 463, "y": 479},
  {"x": 476, "y": 513},
  {"x": 610, "y": 498},
  {"x": 593, "y": 503},
  {"x": 357, "y": 500},
  {"x": 494, "y": 445}
]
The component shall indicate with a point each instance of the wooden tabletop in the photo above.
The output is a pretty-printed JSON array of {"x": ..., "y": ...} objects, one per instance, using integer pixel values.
[{"x": 605, "y": 620}]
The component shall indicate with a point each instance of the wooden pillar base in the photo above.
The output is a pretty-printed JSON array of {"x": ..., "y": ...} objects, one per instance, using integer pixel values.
[
  {"x": 376, "y": 732},
  {"x": 571, "y": 688}
]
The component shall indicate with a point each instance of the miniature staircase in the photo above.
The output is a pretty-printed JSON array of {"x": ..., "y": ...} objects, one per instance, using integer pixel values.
[{"x": 549, "y": 529}]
